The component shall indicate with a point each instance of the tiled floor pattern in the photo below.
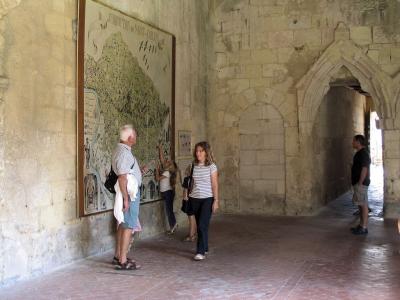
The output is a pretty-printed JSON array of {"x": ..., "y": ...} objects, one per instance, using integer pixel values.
[{"x": 251, "y": 257}]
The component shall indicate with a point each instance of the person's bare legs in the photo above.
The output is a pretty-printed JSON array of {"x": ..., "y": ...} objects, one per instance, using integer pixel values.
[
  {"x": 364, "y": 214},
  {"x": 360, "y": 211},
  {"x": 125, "y": 240},
  {"x": 192, "y": 226},
  {"x": 118, "y": 244}
]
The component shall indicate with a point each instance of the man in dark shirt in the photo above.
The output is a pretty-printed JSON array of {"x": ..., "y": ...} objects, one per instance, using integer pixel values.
[{"x": 360, "y": 181}]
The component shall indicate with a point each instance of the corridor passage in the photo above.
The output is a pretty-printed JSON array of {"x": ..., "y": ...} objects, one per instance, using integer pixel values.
[{"x": 251, "y": 257}]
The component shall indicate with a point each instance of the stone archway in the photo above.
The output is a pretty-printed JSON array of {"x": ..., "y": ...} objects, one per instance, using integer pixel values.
[
  {"x": 312, "y": 88},
  {"x": 261, "y": 160},
  {"x": 315, "y": 84}
]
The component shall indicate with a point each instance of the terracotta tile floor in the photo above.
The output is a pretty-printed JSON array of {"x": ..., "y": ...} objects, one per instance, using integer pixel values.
[{"x": 251, "y": 257}]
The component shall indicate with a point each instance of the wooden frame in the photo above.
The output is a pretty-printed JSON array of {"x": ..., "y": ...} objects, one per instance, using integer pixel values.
[{"x": 125, "y": 74}]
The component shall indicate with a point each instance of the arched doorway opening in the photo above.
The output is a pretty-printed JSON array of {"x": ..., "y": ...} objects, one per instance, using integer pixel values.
[
  {"x": 346, "y": 110},
  {"x": 376, "y": 151},
  {"x": 340, "y": 59}
]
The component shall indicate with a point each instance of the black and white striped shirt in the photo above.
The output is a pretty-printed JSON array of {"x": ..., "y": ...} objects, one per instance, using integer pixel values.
[{"x": 202, "y": 181}]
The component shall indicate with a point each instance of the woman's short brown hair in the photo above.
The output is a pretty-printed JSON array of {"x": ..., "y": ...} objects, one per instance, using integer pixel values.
[{"x": 209, "y": 155}]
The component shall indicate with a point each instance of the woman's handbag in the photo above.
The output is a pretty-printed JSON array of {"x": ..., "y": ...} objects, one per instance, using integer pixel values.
[
  {"x": 187, "y": 184},
  {"x": 190, "y": 183},
  {"x": 185, "y": 204}
]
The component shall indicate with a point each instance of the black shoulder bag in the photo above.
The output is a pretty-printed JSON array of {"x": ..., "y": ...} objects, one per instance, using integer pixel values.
[
  {"x": 185, "y": 203},
  {"x": 112, "y": 179}
]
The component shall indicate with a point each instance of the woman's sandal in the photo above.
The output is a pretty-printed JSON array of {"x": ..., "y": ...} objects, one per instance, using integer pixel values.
[{"x": 190, "y": 238}]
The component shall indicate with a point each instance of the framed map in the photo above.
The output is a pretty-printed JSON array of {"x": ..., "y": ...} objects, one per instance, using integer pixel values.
[{"x": 126, "y": 73}]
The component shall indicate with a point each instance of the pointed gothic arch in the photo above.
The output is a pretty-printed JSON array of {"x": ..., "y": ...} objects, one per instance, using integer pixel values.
[{"x": 315, "y": 84}]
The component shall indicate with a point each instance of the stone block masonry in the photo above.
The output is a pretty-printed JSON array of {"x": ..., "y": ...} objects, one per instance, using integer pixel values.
[
  {"x": 39, "y": 227},
  {"x": 301, "y": 46}
]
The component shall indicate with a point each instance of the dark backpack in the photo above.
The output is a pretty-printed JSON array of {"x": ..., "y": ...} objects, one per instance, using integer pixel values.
[{"x": 112, "y": 179}]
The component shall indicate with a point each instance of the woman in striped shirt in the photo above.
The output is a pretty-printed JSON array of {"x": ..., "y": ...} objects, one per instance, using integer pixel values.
[{"x": 203, "y": 194}]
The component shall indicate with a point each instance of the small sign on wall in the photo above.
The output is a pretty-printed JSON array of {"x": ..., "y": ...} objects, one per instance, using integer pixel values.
[{"x": 184, "y": 143}]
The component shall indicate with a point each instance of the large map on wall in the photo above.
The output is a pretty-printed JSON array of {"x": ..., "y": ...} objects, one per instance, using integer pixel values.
[{"x": 125, "y": 76}]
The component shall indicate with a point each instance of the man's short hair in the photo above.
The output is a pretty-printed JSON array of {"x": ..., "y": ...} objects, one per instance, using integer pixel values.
[
  {"x": 125, "y": 132},
  {"x": 361, "y": 139}
]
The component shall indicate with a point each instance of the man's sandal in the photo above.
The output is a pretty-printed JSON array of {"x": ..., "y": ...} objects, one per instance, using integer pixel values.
[
  {"x": 115, "y": 261},
  {"x": 126, "y": 266}
]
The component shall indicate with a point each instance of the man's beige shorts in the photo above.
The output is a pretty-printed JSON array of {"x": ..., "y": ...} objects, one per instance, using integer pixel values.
[{"x": 360, "y": 194}]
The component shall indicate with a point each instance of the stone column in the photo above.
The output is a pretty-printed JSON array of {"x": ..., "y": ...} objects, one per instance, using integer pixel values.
[
  {"x": 4, "y": 8},
  {"x": 3, "y": 88},
  {"x": 391, "y": 159}
]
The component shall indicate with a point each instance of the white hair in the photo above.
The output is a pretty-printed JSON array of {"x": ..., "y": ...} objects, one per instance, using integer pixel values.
[{"x": 126, "y": 132}]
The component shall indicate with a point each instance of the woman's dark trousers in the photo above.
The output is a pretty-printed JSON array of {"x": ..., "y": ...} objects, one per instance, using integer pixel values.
[
  {"x": 202, "y": 209},
  {"x": 168, "y": 197}
]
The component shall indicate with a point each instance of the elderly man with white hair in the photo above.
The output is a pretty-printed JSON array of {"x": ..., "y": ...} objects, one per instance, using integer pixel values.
[{"x": 125, "y": 166}]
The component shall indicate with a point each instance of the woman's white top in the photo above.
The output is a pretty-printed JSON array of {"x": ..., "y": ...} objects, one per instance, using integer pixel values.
[
  {"x": 202, "y": 181},
  {"x": 165, "y": 184}
]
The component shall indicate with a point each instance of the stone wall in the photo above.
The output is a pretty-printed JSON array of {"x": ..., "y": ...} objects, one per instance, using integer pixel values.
[
  {"x": 39, "y": 227},
  {"x": 340, "y": 117},
  {"x": 232, "y": 56},
  {"x": 261, "y": 160},
  {"x": 283, "y": 53}
]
